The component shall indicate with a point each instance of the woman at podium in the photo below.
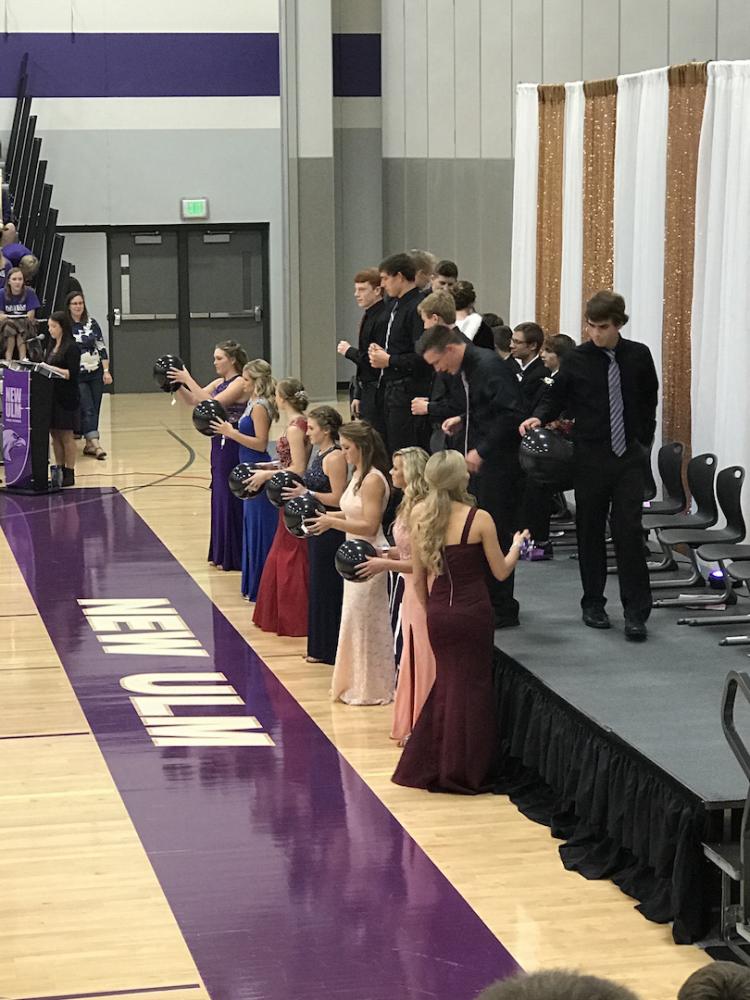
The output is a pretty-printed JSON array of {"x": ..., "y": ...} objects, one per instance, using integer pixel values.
[{"x": 63, "y": 356}]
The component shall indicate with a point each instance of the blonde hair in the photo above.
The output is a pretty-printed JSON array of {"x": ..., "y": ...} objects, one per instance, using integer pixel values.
[
  {"x": 413, "y": 461},
  {"x": 447, "y": 479},
  {"x": 293, "y": 392},
  {"x": 264, "y": 384}
]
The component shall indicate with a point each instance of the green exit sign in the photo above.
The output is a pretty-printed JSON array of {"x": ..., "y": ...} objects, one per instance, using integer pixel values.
[{"x": 194, "y": 208}]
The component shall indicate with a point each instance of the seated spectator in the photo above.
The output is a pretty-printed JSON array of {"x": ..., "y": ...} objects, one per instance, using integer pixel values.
[
  {"x": 556, "y": 984},
  {"x": 425, "y": 264},
  {"x": 29, "y": 265},
  {"x": 5, "y": 268},
  {"x": 18, "y": 305},
  {"x": 468, "y": 320},
  {"x": 12, "y": 249},
  {"x": 445, "y": 276},
  {"x": 717, "y": 981}
]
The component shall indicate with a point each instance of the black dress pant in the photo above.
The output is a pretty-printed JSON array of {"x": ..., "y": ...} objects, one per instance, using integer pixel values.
[
  {"x": 400, "y": 428},
  {"x": 496, "y": 487},
  {"x": 536, "y": 509},
  {"x": 368, "y": 406},
  {"x": 605, "y": 483}
]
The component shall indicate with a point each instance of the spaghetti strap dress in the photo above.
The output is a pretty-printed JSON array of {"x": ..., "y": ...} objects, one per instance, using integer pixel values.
[
  {"x": 225, "y": 548},
  {"x": 365, "y": 669},
  {"x": 416, "y": 670},
  {"x": 281, "y": 605},
  {"x": 326, "y": 586},
  {"x": 453, "y": 745},
  {"x": 259, "y": 515}
]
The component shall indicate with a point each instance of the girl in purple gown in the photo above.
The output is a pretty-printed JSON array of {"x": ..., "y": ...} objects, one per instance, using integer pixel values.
[
  {"x": 229, "y": 389},
  {"x": 251, "y": 434},
  {"x": 454, "y": 549}
]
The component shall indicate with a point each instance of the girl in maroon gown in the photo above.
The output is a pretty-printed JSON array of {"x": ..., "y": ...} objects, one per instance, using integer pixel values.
[
  {"x": 281, "y": 606},
  {"x": 455, "y": 547},
  {"x": 229, "y": 389}
]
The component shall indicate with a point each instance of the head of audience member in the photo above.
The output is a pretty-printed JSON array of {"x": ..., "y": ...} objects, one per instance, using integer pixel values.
[
  {"x": 15, "y": 282},
  {"x": 717, "y": 981},
  {"x": 447, "y": 481},
  {"x": 75, "y": 306},
  {"x": 363, "y": 449},
  {"x": 291, "y": 397},
  {"x": 443, "y": 348},
  {"x": 556, "y": 984},
  {"x": 229, "y": 358},
  {"x": 445, "y": 276},
  {"x": 10, "y": 234},
  {"x": 526, "y": 342},
  {"x": 29, "y": 264},
  {"x": 261, "y": 384},
  {"x": 465, "y": 296},
  {"x": 437, "y": 309},
  {"x": 425, "y": 264},
  {"x": 502, "y": 336},
  {"x": 492, "y": 319},
  {"x": 407, "y": 474},
  {"x": 367, "y": 287},
  {"x": 397, "y": 274},
  {"x": 555, "y": 348},
  {"x": 605, "y": 315},
  {"x": 323, "y": 426}
]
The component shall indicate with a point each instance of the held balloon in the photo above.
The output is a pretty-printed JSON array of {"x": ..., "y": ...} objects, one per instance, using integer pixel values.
[
  {"x": 297, "y": 511},
  {"x": 237, "y": 478},
  {"x": 547, "y": 458},
  {"x": 205, "y": 412},
  {"x": 281, "y": 480},
  {"x": 349, "y": 555},
  {"x": 161, "y": 367}
]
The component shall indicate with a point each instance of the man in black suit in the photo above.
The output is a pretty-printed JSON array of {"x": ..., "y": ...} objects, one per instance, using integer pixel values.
[
  {"x": 369, "y": 296},
  {"x": 608, "y": 385},
  {"x": 526, "y": 364},
  {"x": 489, "y": 438}
]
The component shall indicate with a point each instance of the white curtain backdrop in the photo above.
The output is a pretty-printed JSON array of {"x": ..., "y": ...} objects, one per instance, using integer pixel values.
[
  {"x": 721, "y": 289},
  {"x": 525, "y": 180},
  {"x": 639, "y": 205},
  {"x": 571, "y": 276}
]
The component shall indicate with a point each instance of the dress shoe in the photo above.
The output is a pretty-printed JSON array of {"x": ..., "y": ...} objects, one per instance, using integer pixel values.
[
  {"x": 635, "y": 630},
  {"x": 595, "y": 618},
  {"x": 68, "y": 477}
]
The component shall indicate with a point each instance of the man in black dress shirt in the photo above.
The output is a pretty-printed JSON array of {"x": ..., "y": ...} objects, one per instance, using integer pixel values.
[
  {"x": 369, "y": 296},
  {"x": 526, "y": 364},
  {"x": 488, "y": 433},
  {"x": 608, "y": 385},
  {"x": 402, "y": 374}
]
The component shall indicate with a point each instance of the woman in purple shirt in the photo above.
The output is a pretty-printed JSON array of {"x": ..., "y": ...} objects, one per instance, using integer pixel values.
[{"x": 18, "y": 306}]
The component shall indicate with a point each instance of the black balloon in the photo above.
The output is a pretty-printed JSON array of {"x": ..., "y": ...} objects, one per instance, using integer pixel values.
[
  {"x": 546, "y": 456},
  {"x": 206, "y": 411},
  {"x": 297, "y": 511},
  {"x": 349, "y": 555},
  {"x": 281, "y": 480},
  {"x": 237, "y": 478},
  {"x": 161, "y": 367}
]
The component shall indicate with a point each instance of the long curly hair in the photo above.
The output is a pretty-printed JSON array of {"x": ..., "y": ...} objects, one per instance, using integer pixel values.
[
  {"x": 447, "y": 479},
  {"x": 370, "y": 444},
  {"x": 293, "y": 392},
  {"x": 264, "y": 384},
  {"x": 413, "y": 462}
]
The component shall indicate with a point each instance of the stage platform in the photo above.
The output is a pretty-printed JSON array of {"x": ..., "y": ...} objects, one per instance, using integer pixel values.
[{"x": 617, "y": 745}]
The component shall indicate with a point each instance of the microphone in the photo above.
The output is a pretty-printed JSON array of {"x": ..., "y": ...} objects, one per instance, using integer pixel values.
[{"x": 39, "y": 336}]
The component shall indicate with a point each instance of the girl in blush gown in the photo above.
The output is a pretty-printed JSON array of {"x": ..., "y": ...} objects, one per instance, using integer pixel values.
[
  {"x": 364, "y": 671},
  {"x": 454, "y": 545},
  {"x": 229, "y": 389},
  {"x": 281, "y": 605},
  {"x": 416, "y": 671},
  {"x": 325, "y": 481},
  {"x": 251, "y": 434}
]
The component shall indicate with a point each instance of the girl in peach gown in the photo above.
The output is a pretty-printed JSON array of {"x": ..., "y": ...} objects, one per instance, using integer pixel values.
[{"x": 416, "y": 672}]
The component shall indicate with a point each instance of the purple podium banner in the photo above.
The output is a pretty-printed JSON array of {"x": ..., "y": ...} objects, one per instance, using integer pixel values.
[{"x": 17, "y": 428}]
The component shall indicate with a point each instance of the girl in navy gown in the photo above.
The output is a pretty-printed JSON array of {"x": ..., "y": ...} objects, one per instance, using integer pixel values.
[
  {"x": 281, "y": 606},
  {"x": 229, "y": 389},
  {"x": 454, "y": 548},
  {"x": 325, "y": 480},
  {"x": 251, "y": 434}
]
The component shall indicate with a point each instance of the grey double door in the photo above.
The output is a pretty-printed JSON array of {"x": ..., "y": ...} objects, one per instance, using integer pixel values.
[{"x": 182, "y": 291}]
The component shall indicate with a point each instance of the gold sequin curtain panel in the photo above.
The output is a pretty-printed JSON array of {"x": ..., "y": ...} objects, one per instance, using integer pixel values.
[
  {"x": 598, "y": 184},
  {"x": 549, "y": 206},
  {"x": 687, "y": 96}
]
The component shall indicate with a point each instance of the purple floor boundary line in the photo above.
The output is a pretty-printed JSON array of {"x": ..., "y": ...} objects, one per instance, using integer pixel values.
[{"x": 287, "y": 876}]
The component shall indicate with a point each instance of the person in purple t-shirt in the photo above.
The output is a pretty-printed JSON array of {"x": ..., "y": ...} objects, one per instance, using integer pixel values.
[
  {"x": 12, "y": 249},
  {"x": 18, "y": 306}
]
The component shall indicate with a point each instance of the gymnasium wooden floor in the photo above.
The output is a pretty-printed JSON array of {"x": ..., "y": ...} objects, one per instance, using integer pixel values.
[{"x": 81, "y": 910}]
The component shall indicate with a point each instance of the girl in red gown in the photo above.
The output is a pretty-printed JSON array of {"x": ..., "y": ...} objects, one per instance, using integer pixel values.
[
  {"x": 454, "y": 547},
  {"x": 281, "y": 606}
]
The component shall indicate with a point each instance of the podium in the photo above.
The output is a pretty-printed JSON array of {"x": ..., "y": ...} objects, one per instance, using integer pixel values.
[{"x": 27, "y": 413}]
